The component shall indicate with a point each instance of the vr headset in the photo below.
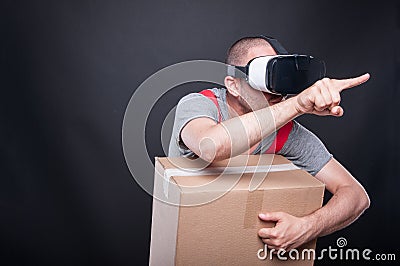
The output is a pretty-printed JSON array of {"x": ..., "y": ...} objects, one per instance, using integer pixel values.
[{"x": 280, "y": 74}]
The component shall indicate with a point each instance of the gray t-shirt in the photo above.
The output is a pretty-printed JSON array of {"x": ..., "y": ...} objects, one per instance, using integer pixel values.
[{"x": 302, "y": 147}]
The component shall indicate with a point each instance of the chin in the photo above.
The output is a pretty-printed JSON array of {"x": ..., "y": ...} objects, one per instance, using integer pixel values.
[{"x": 275, "y": 99}]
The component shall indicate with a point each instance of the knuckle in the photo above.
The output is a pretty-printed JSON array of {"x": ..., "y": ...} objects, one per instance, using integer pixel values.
[
  {"x": 318, "y": 84},
  {"x": 262, "y": 233},
  {"x": 273, "y": 242},
  {"x": 326, "y": 80},
  {"x": 336, "y": 101},
  {"x": 317, "y": 89},
  {"x": 278, "y": 243},
  {"x": 273, "y": 234},
  {"x": 336, "y": 98},
  {"x": 280, "y": 236}
]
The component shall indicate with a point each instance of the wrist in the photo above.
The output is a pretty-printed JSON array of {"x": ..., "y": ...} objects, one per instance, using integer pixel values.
[
  {"x": 294, "y": 104},
  {"x": 291, "y": 107},
  {"x": 313, "y": 226}
]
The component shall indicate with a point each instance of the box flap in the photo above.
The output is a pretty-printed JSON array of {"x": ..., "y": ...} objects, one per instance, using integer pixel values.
[{"x": 238, "y": 180}]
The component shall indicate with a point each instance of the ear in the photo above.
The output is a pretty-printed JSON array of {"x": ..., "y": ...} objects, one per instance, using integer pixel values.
[{"x": 232, "y": 85}]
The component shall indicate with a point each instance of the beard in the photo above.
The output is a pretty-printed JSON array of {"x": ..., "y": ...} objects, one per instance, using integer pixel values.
[{"x": 251, "y": 105}]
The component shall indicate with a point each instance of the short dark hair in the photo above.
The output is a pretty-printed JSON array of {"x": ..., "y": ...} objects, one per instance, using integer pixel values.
[{"x": 239, "y": 49}]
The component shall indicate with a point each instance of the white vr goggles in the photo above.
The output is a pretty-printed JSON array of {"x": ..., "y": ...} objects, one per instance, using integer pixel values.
[{"x": 280, "y": 74}]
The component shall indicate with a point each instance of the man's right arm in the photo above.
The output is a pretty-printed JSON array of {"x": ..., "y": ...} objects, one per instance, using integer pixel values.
[{"x": 214, "y": 142}]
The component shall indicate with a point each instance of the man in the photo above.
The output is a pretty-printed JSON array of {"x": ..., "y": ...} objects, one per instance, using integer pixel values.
[{"x": 243, "y": 120}]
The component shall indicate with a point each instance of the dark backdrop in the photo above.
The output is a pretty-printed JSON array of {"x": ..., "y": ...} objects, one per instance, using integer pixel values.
[{"x": 69, "y": 68}]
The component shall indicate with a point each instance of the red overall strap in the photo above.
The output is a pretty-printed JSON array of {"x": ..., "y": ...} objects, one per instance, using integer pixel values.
[
  {"x": 209, "y": 94},
  {"x": 280, "y": 139}
]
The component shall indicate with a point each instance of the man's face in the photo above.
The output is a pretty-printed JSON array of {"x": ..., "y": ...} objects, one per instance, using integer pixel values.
[{"x": 253, "y": 99}]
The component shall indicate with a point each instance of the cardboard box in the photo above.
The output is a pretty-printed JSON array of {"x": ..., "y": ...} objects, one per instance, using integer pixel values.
[{"x": 210, "y": 216}]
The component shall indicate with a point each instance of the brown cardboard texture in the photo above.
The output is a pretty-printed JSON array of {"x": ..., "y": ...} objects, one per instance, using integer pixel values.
[{"x": 207, "y": 218}]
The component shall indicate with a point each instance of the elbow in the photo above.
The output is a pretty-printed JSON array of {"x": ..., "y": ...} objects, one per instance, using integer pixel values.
[
  {"x": 367, "y": 201},
  {"x": 207, "y": 155},
  {"x": 364, "y": 200},
  {"x": 211, "y": 150}
]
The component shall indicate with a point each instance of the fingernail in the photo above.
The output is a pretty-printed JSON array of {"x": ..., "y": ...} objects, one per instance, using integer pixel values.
[{"x": 262, "y": 216}]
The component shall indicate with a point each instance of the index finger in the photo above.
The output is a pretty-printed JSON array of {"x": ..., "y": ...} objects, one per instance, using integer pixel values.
[{"x": 344, "y": 84}]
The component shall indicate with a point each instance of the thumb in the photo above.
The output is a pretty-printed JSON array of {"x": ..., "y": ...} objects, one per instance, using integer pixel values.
[
  {"x": 337, "y": 111},
  {"x": 270, "y": 216}
]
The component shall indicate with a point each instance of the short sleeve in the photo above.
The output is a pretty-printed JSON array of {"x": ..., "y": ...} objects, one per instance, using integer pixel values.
[
  {"x": 305, "y": 150},
  {"x": 192, "y": 106}
]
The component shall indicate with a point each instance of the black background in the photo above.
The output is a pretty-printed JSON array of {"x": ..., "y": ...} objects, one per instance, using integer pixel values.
[{"x": 69, "y": 68}]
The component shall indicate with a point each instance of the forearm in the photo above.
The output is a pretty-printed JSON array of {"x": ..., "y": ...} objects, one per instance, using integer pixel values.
[
  {"x": 237, "y": 135},
  {"x": 345, "y": 206}
]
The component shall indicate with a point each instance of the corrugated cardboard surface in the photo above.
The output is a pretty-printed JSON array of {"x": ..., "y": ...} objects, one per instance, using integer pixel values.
[{"x": 224, "y": 231}]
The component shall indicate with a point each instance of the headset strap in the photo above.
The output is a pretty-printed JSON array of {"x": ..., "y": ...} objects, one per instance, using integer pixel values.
[
  {"x": 243, "y": 71},
  {"x": 275, "y": 44}
]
